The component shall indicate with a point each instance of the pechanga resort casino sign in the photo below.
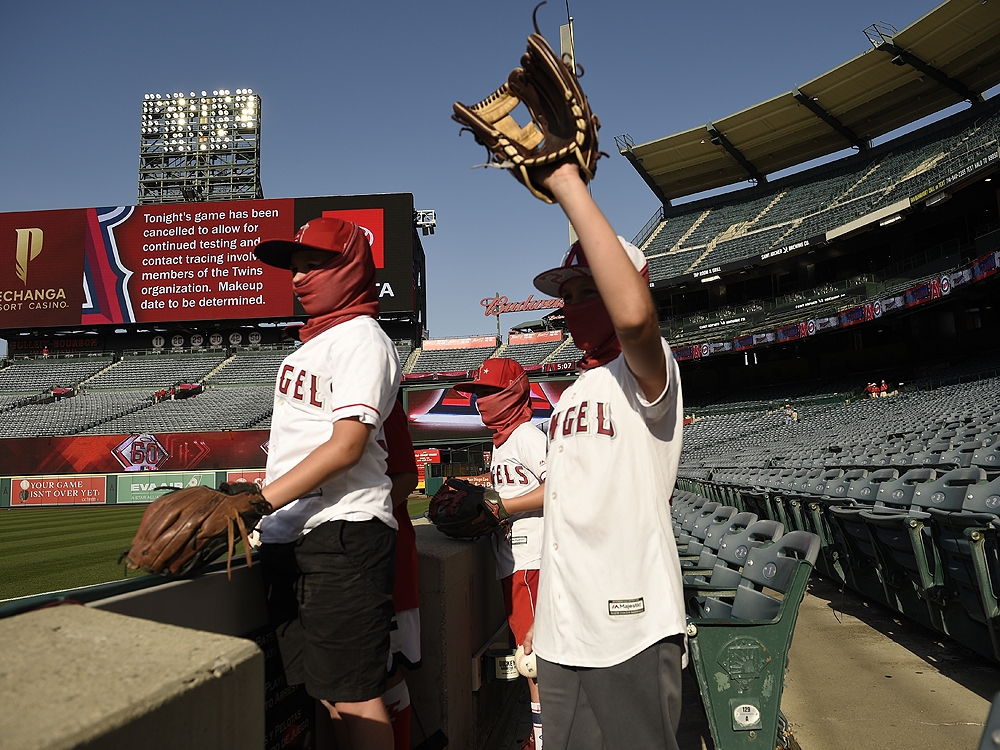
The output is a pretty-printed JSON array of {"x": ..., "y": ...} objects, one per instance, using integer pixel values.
[{"x": 183, "y": 261}]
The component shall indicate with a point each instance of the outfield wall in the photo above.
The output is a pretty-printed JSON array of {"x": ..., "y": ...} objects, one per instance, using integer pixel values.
[{"x": 23, "y": 491}]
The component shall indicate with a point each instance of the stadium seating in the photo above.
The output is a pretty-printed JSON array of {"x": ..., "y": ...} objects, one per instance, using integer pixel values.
[
  {"x": 530, "y": 354},
  {"x": 739, "y": 644},
  {"x": 730, "y": 228},
  {"x": 36, "y": 375},
  {"x": 899, "y": 492},
  {"x": 156, "y": 371},
  {"x": 214, "y": 409},
  {"x": 69, "y": 416},
  {"x": 249, "y": 367},
  {"x": 451, "y": 360}
]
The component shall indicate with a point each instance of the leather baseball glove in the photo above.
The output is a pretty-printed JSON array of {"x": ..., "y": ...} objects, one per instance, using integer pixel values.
[
  {"x": 464, "y": 510},
  {"x": 562, "y": 127},
  {"x": 186, "y": 529}
]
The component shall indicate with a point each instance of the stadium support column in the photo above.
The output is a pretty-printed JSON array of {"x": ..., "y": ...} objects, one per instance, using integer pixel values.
[
  {"x": 812, "y": 104},
  {"x": 882, "y": 37},
  {"x": 625, "y": 144},
  {"x": 720, "y": 140}
]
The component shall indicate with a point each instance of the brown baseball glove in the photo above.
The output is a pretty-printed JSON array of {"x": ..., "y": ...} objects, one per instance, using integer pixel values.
[
  {"x": 185, "y": 530},
  {"x": 464, "y": 510},
  {"x": 562, "y": 127}
]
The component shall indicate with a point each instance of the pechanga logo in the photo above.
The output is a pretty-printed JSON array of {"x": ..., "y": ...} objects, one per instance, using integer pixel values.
[{"x": 29, "y": 246}]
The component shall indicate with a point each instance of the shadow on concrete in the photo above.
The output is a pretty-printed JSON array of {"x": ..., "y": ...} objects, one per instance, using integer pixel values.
[{"x": 947, "y": 656}]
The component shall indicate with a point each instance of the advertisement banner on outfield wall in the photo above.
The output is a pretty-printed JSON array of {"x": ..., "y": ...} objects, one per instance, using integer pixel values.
[
  {"x": 139, "y": 453},
  {"x": 250, "y": 476},
  {"x": 147, "y": 487},
  {"x": 56, "y": 490},
  {"x": 182, "y": 261}
]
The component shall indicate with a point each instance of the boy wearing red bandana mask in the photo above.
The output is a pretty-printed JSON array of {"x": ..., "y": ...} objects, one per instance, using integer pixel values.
[
  {"x": 328, "y": 548},
  {"x": 503, "y": 398},
  {"x": 609, "y": 628}
]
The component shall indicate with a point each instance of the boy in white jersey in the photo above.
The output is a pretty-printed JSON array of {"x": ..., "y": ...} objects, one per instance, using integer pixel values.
[
  {"x": 328, "y": 548},
  {"x": 609, "y": 627},
  {"x": 503, "y": 398}
]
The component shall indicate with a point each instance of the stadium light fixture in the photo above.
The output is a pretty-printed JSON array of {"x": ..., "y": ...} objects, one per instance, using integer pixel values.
[
  {"x": 890, "y": 220},
  {"x": 209, "y": 141}
]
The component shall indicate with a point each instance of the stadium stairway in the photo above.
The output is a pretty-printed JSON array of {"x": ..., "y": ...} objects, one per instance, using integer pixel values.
[
  {"x": 411, "y": 360},
  {"x": 223, "y": 364},
  {"x": 97, "y": 374}
]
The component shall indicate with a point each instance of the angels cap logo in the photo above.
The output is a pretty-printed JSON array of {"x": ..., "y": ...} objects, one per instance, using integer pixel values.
[
  {"x": 29, "y": 246},
  {"x": 369, "y": 235}
]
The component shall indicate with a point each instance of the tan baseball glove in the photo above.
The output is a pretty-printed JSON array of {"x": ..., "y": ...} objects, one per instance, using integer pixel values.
[{"x": 562, "y": 127}]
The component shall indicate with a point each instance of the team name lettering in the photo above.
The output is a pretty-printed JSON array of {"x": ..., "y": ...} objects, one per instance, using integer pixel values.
[
  {"x": 289, "y": 375},
  {"x": 576, "y": 420},
  {"x": 501, "y": 475}
]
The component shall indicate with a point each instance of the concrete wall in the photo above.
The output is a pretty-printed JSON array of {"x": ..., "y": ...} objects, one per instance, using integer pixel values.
[
  {"x": 71, "y": 676},
  {"x": 461, "y": 608},
  {"x": 461, "y": 615}
]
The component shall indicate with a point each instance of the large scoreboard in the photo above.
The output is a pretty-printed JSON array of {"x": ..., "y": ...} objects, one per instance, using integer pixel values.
[{"x": 186, "y": 261}]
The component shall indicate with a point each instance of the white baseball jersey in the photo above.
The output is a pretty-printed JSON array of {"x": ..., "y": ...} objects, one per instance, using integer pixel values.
[
  {"x": 350, "y": 370},
  {"x": 610, "y": 583},
  {"x": 518, "y": 467}
]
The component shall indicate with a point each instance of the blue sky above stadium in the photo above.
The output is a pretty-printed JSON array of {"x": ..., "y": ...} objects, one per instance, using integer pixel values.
[{"x": 356, "y": 98}]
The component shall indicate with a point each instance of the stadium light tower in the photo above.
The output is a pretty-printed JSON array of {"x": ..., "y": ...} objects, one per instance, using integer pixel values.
[{"x": 203, "y": 147}]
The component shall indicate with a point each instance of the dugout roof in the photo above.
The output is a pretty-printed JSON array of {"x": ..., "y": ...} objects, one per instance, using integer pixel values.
[{"x": 950, "y": 55}]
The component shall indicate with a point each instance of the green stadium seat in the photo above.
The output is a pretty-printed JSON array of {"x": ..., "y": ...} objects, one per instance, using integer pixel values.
[{"x": 740, "y": 658}]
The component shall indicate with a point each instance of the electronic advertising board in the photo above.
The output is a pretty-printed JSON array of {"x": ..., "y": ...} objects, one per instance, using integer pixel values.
[{"x": 183, "y": 261}]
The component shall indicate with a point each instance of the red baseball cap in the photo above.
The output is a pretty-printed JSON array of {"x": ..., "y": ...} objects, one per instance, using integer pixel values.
[
  {"x": 494, "y": 373},
  {"x": 326, "y": 233},
  {"x": 574, "y": 264}
]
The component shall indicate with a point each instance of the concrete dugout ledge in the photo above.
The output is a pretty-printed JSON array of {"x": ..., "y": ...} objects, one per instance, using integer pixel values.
[
  {"x": 135, "y": 664},
  {"x": 73, "y": 676}
]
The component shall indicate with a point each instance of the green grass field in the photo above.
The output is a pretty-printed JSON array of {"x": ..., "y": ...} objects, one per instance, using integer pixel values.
[{"x": 50, "y": 549}]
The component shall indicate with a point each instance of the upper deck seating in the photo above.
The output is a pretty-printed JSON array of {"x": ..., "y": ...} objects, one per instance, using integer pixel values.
[
  {"x": 451, "y": 360},
  {"x": 156, "y": 371},
  {"x": 43, "y": 373}
]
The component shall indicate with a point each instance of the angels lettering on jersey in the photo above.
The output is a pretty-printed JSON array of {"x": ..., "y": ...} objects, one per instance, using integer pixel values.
[
  {"x": 585, "y": 418},
  {"x": 300, "y": 385},
  {"x": 510, "y": 474}
]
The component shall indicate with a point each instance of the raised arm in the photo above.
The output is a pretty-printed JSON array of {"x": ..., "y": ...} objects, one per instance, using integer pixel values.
[{"x": 624, "y": 291}]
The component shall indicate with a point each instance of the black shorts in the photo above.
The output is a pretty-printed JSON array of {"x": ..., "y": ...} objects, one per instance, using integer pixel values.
[{"x": 329, "y": 598}]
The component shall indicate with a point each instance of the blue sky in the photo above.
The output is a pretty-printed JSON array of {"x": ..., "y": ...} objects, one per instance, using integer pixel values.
[{"x": 356, "y": 98}]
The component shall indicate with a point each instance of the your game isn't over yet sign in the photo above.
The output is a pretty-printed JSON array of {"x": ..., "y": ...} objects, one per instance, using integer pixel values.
[{"x": 182, "y": 261}]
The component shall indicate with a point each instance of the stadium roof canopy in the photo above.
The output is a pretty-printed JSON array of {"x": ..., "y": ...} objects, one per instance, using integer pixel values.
[{"x": 950, "y": 55}]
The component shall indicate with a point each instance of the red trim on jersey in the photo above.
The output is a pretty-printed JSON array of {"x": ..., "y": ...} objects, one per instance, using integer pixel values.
[
  {"x": 348, "y": 406},
  {"x": 520, "y": 594}
]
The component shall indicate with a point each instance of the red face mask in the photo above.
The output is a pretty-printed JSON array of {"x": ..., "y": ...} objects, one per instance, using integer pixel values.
[
  {"x": 505, "y": 410},
  {"x": 593, "y": 332},
  {"x": 340, "y": 289}
]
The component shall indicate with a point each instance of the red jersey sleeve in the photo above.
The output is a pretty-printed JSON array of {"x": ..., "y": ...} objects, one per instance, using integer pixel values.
[{"x": 398, "y": 444}]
